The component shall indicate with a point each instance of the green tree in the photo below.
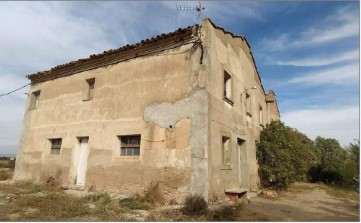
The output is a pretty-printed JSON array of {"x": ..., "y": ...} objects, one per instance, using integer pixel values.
[
  {"x": 352, "y": 163},
  {"x": 285, "y": 155},
  {"x": 331, "y": 166}
]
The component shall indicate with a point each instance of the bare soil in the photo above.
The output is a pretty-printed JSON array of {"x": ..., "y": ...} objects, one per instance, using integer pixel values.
[
  {"x": 301, "y": 202},
  {"x": 310, "y": 202}
]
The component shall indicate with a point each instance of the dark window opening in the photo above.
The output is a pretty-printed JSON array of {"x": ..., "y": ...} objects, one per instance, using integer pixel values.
[
  {"x": 130, "y": 145},
  {"x": 55, "y": 146}
]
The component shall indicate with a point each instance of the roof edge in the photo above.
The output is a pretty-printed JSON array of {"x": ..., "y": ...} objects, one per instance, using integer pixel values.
[
  {"x": 156, "y": 43},
  {"x": 243, "y": 39}
]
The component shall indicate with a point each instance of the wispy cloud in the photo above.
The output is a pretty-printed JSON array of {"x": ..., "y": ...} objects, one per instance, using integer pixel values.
[
  {"x": 341, "y": 25},
  {"x": 322, "y": 61},
  {"x": 344, "y": 75},
  {"x": 331, "y": 122}
]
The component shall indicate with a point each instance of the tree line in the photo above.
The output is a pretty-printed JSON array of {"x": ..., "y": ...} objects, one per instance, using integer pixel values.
[{"x": 286, "y": 155}]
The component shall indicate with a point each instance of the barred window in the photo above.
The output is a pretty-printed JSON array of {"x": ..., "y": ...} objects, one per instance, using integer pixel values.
[
  {"x": 55, "y": 146},
  {"x": 130, "y": 145}
]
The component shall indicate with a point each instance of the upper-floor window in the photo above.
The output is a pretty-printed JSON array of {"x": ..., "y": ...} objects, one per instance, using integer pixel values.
[
  {"x": 130, "y": 145},
  {"x": 55, "y": 146},
  {"x": 226, "y": 151},
  {"x": 261, "y": 116},
  {"x": 248, "y": 105},
  {"x": 89, "y": 94},
  {"x": 227, "y": 87},
  {"x": 34, "y": 100}
]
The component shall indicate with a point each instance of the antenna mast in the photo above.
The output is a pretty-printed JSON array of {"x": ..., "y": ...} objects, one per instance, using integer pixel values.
[{"x": 197, "y": 8}]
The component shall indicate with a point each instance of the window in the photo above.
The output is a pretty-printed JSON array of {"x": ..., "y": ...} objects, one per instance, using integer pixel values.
[
  {"x": 34, "y": 100},
  {"x": 55, "y": 146},
  {"x": 260, "y": 115},
  {"x": 90, "y": 93},
  {"x": 248, "y": 105},
  {"x": 130, "y": 145},
  {"x": 227, "y": 87},
  {"x": 226, "y": 151}
]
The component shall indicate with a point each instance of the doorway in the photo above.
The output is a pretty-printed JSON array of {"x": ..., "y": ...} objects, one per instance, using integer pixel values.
[
  {"x": 82, "y": 161},
  {"x": 242, "y": 163}
]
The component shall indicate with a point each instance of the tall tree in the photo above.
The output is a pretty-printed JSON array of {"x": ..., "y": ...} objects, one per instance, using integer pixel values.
[{"x": 284, "y": 155}]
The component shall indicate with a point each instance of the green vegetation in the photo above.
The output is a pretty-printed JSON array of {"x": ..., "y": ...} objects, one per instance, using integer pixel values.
[
  {"x": 286, "y": 155},
  {"x": 103, "y": 198},
  {"x": 133, "y": 203}
]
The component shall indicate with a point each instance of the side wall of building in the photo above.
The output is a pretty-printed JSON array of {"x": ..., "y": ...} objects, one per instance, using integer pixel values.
[
  {"x": 229, "y": 124},
  {"x": 147, "y": 96}
]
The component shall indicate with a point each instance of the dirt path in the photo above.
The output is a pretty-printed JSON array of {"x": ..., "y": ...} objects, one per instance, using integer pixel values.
[{"x": 312, "y": 203}]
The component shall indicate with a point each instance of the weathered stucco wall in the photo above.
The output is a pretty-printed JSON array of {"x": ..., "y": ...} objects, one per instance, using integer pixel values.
[
  {"x": 174, "y": 100},
  {"x": 123, "y": 92},
  {"x": 232, "y": 54}
]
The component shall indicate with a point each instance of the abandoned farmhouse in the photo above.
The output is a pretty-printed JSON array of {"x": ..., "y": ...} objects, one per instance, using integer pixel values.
[{"x": 184, "y": 108}]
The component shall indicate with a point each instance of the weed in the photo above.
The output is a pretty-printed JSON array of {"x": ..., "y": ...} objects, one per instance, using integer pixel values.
[
  {"x": 4, "y": 175},
  {"x": 173, "y": 202},
  {"x": 195, "y": 205},
  {"x": 132, "y": 203},
  {"x": 225, "y": 213},
  {"x": 55, "y": 206},
  {"x": 153, "y": 195},
  {"x": 103, "y": 198}
]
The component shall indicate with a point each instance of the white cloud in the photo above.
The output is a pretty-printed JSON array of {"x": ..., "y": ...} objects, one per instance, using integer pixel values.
[
  {"x": 322, "y": 61},
  {"x": 344, "y": 75},
  {"x": 40, "y": 34},
  {"x": 341, "y": 123},
  {"x": 344, "y": 23}
]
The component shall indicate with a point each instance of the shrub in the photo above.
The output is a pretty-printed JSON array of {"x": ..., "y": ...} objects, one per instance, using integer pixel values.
[
  {"x": 284, "y": 155},
  {"x": 195, "y": 205},
  {"x": 225, "y": 213}
]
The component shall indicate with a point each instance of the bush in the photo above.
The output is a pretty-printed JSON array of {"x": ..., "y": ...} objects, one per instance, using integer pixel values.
[
  {"x": 195, "y": 205},
  {"x": 225, "y": 213},
  {"x": 284, "y": 155}
]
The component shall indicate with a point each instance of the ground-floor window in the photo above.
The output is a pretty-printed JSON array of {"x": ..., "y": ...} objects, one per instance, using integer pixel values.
[
  {"x": 130, "y": 145},
  {"x": 55, "y": 146}
]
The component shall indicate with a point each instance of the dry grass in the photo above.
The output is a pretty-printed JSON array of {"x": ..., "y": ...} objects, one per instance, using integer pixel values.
[
  {"x": 338, "y": 191},
  {"x": 195, "y": 205},
  {"x": 5, "y": 175},
  {"x": 7, "y": 164},
  {"x": 134, "y": 203},
  {"x": 153, "y": 194},
  {"x": 54, "y": 206}
]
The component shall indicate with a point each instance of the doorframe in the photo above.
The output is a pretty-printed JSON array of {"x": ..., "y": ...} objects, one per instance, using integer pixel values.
[
  {"x": 78, "y": 147},
  {"x": 241, "y": 144}
]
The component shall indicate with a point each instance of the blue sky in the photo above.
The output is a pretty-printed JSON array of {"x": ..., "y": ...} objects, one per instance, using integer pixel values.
[{"x": 307, "y": 52}]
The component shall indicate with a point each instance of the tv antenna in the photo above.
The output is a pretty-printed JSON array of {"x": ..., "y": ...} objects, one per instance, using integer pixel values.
[{"x": 197, "y": 8}]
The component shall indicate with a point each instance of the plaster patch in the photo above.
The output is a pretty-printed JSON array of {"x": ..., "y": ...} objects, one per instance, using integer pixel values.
[{"x": 195, "y": 107}]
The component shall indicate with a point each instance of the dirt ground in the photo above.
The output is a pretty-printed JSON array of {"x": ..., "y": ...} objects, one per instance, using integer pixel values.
[
  {"x": 309, "y": 202},
  {"x": 301, "y": 202}
]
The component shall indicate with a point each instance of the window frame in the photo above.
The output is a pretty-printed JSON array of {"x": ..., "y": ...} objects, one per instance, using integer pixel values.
[
  {"x": 260, "y": 116},
  {"x": 55, "y": 146},
  {"x": 90, "y": 91},
  {"x": 226, "y": 165},
  {"x": 129, "y": 146},
  {"x": 34, "y": 100},
  {"x": 227, "y": 83},
  {"x": 248, "y": 105}
]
